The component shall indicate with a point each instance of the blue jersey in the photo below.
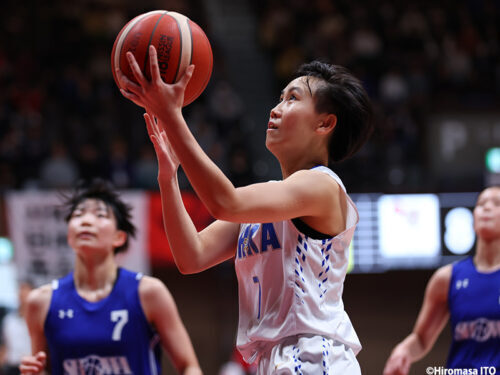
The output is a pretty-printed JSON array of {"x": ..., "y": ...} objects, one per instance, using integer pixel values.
[
  {"x": 474, "y": 303},
  {"x": 108, "y": 337}
]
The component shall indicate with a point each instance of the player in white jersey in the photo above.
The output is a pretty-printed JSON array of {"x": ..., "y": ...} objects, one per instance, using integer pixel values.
[{"x": 291, "y": 256}]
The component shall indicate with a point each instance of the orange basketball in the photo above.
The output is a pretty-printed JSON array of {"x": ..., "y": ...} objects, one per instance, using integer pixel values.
[{"x": 179, "y": 43}]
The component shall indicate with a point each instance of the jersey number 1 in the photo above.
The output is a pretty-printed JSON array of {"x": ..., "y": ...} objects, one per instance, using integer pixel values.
[
  {"x": 256, "y": 281},
  {"x": 121, "y": 318}
]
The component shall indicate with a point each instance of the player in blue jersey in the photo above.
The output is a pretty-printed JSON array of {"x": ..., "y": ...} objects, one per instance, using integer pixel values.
[
  {"x": 100, "y": 318},
  {"x": 468, "y": 294},
  {"x": 290, "y": 238}
]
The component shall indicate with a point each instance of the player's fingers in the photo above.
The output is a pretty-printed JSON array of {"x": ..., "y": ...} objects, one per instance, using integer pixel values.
[
  {"x": 24, "y": 369},
  {"x": 389, "y": 369},
  {"x": 405, "y": 367},
  {"x": 156, "y": 145},
  {"x": 186, "y": 77},
  {"x": 170, "y": 149},
  {"x": 124, "y": 81},
  {"x": 159, "y": 131},
  {"x": 165, "y": 141},
  {"x": 154, "y": 125},
  {"x": 395, "y": 371},
  {"x": 131, "y": 96},
  {"x": 153, "y": 63},
  {"x": 41, "y": 356},
  {"x": 32, "y": 361},
  {"x": 147, "y": 119},
  {"x": 30, "y": 368},
  {"x": 153, "y": 135},
  {"x": 136, "y": 70}
]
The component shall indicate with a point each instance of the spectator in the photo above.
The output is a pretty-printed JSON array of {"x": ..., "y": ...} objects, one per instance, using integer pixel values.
[{"x": 16, "y": 341}]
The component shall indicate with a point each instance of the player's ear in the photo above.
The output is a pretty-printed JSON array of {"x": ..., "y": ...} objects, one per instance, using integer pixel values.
[
  {"x": 327, "y": 124},
  {"x": 120, "y": 238}
]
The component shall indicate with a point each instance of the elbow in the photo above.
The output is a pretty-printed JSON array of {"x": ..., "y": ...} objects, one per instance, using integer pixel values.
[
  {"x": 187, "y": 269},
  {"x": 223, "y": 208},
  {"x": 190, "y": 266},
  {"x": 217, "y": 211}
]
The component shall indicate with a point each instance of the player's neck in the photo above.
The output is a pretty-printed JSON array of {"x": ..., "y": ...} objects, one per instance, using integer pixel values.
[
  {"x": 487, "y": 256},
  {"x": 292, "y": 165},
  {"x": 91, "y": 275}
]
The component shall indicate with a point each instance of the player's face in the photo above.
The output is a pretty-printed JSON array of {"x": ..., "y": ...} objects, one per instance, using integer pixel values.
[
  {"x": 487, "y": 214},
  {"x": 292, "y": 121},
  {"x": 92, "y": 225}
]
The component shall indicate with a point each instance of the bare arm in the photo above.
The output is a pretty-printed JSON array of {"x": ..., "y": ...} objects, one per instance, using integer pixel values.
[
  {"x": 36, "y": 312},
  {"x": 304, "y": 194},
  {"x": 162, "y": 313},
  {"x": 192, "y": 251},
  {"x": 430, "y": 322}
]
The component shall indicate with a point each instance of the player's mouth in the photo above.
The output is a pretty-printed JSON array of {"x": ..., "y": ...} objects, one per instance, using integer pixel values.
[
  {"x": 271, "y": 126},
  {"x": 85, "y": 234}
]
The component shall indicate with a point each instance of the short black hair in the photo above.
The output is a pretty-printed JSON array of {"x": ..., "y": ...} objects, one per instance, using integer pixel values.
[
  {"x": 104, "y": 191},
  {"x": 341, "y": 94}
]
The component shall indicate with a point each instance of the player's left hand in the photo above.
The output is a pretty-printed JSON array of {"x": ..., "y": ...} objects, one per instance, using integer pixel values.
[{"x": 168, "y": 163}]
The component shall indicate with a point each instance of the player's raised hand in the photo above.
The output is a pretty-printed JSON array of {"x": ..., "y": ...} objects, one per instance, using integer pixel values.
[
  {"x": 168, "y": 163},
  {"x": 154, "y": 94}
]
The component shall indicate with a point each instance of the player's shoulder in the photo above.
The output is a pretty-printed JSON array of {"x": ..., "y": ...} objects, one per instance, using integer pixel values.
[
  {"x": 444, "y": 273},
  {"x": 316, "y": 178},
  {"x": 151, "y": 287},
  {"x": 40, "y": 295},
  {"x": 38, "y": 302},
  {"x": 155, "y": 298},
  {"x": 440, "y": 281}
]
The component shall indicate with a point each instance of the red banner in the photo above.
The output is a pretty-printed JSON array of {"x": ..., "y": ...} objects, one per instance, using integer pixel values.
[{"x": 159, "y": 248}]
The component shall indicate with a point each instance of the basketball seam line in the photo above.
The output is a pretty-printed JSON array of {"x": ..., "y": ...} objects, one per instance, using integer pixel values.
[
  {"x": 149, "y": 42},
  {"x": 123, "y": 37},
  {"x": 180, "y": 50}
]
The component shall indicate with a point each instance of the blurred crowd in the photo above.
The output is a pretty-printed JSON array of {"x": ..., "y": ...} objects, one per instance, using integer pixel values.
[
  {"x": 414, "y": 58},
  {"x": 62, "y": 118}
]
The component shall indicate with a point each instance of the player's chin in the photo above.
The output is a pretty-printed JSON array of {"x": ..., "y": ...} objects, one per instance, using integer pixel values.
[
  {"x": 271, "y": 140},
  {"x": 88, "y": 246},
  {"x": 270, "y": 147}
]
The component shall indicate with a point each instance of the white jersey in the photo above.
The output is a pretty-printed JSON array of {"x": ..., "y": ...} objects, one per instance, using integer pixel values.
[{"x": 292, "y": 284}]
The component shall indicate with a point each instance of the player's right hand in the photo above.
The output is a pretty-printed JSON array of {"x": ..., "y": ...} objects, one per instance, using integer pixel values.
[
  {"x": 33, "y": 364},
  {"x": 398, "y": 364}
]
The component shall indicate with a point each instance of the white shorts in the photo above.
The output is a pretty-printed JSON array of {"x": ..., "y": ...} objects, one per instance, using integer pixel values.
[{"x": 308, "y": 355}]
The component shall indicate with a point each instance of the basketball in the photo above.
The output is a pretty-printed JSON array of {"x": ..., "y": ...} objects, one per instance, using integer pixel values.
[{"x": 179, "y": 42}]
